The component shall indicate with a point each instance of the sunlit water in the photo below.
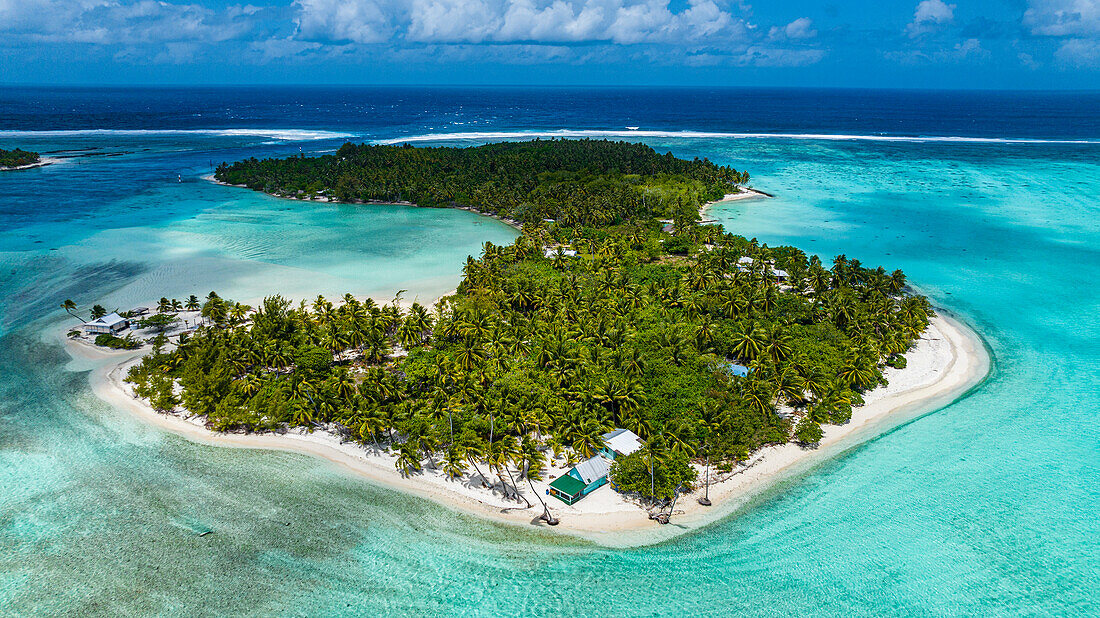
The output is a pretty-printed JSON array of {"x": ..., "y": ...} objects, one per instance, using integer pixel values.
[{"x": 986, "y": 506}]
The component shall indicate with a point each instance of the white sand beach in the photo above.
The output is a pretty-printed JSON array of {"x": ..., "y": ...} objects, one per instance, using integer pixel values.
[
  {"x": 946, "y": 362},
  {"x": 42, "y": 162},
  {"x": 744, "y": 194}
]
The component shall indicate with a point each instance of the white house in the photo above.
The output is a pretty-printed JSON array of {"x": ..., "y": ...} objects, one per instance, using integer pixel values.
[
  {"x": 620, "y": 443},
  {"x": 552, "y": 252},
  {"x": 108, "y": 324}
]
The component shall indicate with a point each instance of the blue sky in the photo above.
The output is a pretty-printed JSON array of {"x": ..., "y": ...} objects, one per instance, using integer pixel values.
[{"x": 849, "y": 43}]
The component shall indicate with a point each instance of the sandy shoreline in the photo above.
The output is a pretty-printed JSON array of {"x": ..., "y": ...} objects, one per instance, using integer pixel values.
[
  {"x": 42, "y": 162},
  {"x": 947, "y": 361},
  {"x": 327, "y": 200},
  {"x": 744, "y": 194}
]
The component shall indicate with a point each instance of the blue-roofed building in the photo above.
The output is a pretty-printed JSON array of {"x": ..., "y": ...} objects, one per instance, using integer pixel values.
[{"x": 739, "y": 371}]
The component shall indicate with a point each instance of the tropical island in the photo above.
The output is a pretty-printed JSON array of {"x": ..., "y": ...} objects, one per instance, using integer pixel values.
[
  {"x": 614, "y": 319},
  {"x": 20, "y": 159}
]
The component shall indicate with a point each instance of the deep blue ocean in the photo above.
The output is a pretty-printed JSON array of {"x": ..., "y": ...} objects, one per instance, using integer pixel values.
[{"x": 990, "y": 201}]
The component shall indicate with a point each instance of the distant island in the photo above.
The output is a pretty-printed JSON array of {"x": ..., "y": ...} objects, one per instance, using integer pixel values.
[
  {"x": 616, "y": 341},
  {"x": 19, "y": 159},
  {"x": 574, "y": 183}
]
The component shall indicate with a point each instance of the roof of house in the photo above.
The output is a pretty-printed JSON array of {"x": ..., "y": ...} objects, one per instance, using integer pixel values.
[
  {"x": 623, "y": 441},
  {"x": 745, "y": 260},
  {"x": 592, "y": 470},
  {"x": 568, "y": 485},
  {"x": 111, "y": 319},
  {"x": 738, "y": 370}
]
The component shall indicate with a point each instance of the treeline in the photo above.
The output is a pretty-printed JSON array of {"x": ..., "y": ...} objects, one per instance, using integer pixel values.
[
  {"x": 537, "y": 356},
  {"x": 574, "y": 182},
  {"x": 17, "y": 157}
]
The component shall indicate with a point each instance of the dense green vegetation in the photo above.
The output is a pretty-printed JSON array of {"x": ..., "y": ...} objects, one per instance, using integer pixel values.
[
  {"x": 574, "y": 182},
  {"x": 17, "y": 157},
  {"x": 118, "y": 343},
  {"x": 539, "y": 355}
]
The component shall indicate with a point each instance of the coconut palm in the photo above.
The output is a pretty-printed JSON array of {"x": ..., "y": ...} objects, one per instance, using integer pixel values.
[{"x": 70, "y": 307}]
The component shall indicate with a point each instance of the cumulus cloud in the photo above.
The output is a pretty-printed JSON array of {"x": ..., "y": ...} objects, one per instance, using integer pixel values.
[
  {"x": 126, "y": 23},
  {"x": 513, "y": 21},
  {"x": 801, "y": 28},
  {"x": 343, "y": 21},
  {"x": 1080, "y": 53},
  {"x": 1063, "y": 17},
  {"x": 508, "y": 31},
  {"x": 929, "y": 16}
]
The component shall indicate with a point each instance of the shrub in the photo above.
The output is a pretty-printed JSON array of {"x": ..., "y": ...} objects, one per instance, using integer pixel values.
[
  {"x": 117, "y": 343},
  {"x": 807, "y": 432}
]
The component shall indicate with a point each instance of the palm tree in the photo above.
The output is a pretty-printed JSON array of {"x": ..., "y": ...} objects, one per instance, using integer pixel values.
[
  {"x": 454, "y": 464},
  {"x": 408, "y": 461},
  {"x": 653, "y": 454},
  {"x": 70, "y": 307},
  {"x": 192, "y": 303},
  {"x": 748, "y": 342},
  {"x": 533, "y": 463},
  {"x": 98, "y": 311}
]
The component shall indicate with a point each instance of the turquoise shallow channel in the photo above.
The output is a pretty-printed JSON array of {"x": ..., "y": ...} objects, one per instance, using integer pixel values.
[{"x": 987, "y": 506}]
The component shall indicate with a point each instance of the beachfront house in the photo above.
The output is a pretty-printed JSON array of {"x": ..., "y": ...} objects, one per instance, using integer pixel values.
[
  {"x": 581, "y": 480},
  {"x": 620, "y": 443},
  {"x": 106, "y": 325}
]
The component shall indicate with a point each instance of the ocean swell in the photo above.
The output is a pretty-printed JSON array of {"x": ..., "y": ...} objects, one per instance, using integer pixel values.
[{"x": 579, "y": 133}]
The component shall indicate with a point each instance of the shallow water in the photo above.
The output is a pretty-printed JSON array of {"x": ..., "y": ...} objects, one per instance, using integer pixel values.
[{"x": 986, "y": 506}]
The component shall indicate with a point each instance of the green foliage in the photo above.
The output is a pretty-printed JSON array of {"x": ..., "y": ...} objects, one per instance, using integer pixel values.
[
  {"x": 118, "y": 343},
  {"x": 897, "y": 361},
  {"x": 807, "y": 432},
  {"x": 313, "y": 360},
  {"x": 159, "y": 321},
  {"x": 631, "y": 474},
  {"x": 17, "y": 157},
  {"x": 574, "y": 182},
  {"x": 554, "y": 351}
]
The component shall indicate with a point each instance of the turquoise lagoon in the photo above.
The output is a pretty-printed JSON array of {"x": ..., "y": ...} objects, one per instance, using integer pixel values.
[{"x": 986, "y": 506}]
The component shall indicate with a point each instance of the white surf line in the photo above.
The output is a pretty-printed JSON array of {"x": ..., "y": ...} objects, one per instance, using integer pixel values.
[
  {"x": 495, "y": 135},
  {"x": 279, "y": 134}
]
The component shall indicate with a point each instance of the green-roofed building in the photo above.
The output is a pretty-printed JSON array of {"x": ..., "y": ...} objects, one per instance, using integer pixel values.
[
  {"x": 567, "y": 489},
  {"x": 582, "y": 479}
]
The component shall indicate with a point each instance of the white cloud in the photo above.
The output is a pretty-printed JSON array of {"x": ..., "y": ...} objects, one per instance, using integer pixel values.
[
  {"x": 514, "y": 21},
  {"x": 126, "y": 23},
  {"x": 970, "y": 48},
  {"x": 1081, "y": 53},
  {"x": 801, "y": 28},
  {"x": 506, "y": 31},
  {"x": 336, "y": 21},
  {"x": 930, "y": 14},
  {"x": 469, "y": 21},
  {"x": 1063, "y": 17}
]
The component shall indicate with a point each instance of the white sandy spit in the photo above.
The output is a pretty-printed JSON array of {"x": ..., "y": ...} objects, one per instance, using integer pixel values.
[{"x": 42, "y": 162}]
